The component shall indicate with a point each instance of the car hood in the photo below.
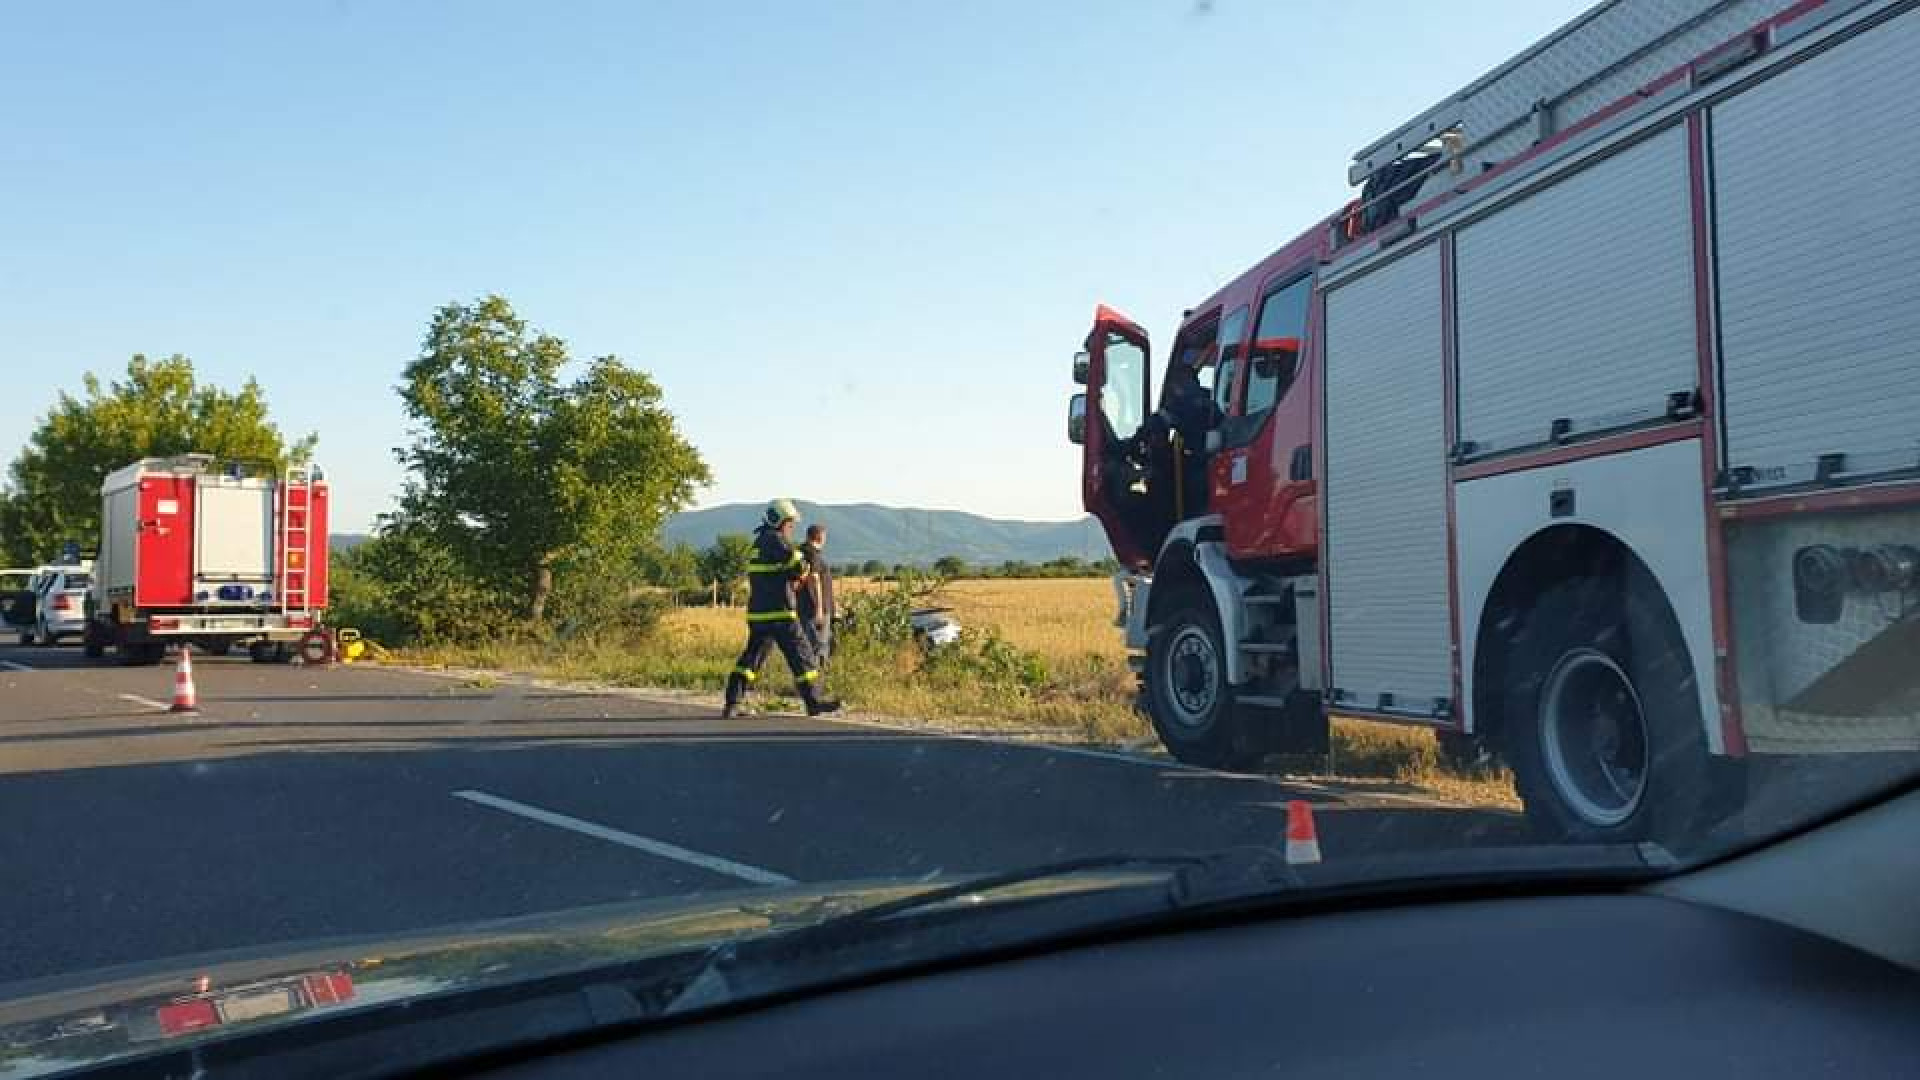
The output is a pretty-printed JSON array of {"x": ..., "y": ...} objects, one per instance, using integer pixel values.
[{"x": 51, "y": 1025}]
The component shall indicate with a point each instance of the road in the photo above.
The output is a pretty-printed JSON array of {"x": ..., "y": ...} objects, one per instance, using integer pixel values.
[{"x": 308, "y": 802}]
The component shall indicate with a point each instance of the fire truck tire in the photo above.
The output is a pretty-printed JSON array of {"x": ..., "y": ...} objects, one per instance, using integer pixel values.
[
  {"x": 1601, "y": 718},
  {"x": 1188, "y": 697}
]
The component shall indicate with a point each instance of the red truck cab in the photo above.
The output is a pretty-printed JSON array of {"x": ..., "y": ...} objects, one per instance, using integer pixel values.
[{"x": 1253, "y": 348}]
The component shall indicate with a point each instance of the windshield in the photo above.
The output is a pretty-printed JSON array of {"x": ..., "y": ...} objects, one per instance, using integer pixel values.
[{"x": 513, "y": 468}]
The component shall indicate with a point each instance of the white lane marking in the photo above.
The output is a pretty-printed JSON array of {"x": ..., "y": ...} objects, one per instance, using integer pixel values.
[
  {"x": 147, "y": 701},
  {"x": 714, "y": 863},
  {"x": 13, "y": 666}
]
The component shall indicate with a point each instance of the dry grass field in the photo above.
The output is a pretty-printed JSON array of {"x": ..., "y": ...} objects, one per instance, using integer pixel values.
[{"x": 1068, "y": 623}]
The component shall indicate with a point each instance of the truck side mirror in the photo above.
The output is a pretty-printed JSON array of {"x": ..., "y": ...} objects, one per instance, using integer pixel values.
[
  {"x": 1077, "y": 419},
  {"x": 1080, "y": 362}
]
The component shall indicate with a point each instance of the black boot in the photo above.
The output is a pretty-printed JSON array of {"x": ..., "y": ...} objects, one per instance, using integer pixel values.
[
  {"x": 736, "y": 689},
  {"x": 817, "y": 705}
]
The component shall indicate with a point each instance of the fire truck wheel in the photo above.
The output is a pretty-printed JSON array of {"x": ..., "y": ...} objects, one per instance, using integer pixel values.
[
  {"x": 1601, "y": 718},
  {"x": 1188, "y": 697}
]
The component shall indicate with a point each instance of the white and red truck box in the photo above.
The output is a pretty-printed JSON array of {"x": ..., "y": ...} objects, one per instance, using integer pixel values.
[{"x": 194, "y": 548}]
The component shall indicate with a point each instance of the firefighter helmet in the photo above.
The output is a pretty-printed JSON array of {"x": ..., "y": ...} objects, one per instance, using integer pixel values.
[{"x": 780, "y": 511}]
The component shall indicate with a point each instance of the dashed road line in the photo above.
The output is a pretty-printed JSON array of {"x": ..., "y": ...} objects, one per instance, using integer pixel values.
[
  {"x": 147, "y": 701},
  {"x": 661, "y": 848}
]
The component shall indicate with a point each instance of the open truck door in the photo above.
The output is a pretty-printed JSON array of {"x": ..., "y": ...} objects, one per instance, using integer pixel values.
[{"x": 1109, "y": 422}]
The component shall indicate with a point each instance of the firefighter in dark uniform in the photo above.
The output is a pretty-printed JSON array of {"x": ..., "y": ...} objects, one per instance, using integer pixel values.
[{"x": 771, "y": 620}]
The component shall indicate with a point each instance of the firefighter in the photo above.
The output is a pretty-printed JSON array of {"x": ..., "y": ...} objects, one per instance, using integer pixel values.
[{"x": 776, "y": 568}]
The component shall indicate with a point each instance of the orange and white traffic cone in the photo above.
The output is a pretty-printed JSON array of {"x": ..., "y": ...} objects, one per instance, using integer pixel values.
[
  {"x": 1303, "y": 839},
  {"x": 185, "y": 698}
]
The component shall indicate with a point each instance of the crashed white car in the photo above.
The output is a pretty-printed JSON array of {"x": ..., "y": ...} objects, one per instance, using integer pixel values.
[{"x": 936, "y": 625}]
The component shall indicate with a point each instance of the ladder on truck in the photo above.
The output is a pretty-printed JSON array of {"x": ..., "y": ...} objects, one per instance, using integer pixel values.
[
  {"x": 296, "y": 539},
  {"x": 1612, "y": 51}
]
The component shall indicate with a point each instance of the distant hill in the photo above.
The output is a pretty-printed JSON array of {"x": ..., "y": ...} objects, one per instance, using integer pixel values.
[{"x": 862, "y": 531}]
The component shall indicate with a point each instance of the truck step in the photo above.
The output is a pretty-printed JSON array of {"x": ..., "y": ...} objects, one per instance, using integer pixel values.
[
  {"x": 1264, "y": 598},
  {"x": 1264, "y": 701},
  {"x": 1268, "y": 647}
]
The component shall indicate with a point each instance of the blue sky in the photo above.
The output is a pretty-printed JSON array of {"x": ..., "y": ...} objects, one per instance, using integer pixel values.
[{"x": 857, "y": 242}]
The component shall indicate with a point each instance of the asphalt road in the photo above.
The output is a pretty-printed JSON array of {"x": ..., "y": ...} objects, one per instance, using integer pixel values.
[{"x": 305, "y": 802}]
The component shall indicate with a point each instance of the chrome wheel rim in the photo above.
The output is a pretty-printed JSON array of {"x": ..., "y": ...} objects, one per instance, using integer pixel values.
[
  {"x": 1192, "y": 674},
  {"x": 1594, "y": 737}
]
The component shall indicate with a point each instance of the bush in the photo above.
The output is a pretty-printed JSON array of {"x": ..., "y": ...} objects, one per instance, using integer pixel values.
[
  {"x": 603, "y": 600},
  {"x": 879, "y": 617},
  {"x": 877, "y": 642},
  {"x": 401, "y": 588},
  {"x": 990, "y": 662}
]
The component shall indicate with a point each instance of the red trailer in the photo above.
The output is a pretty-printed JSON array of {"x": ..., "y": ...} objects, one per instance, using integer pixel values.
[{"x": 214, "y": 553}]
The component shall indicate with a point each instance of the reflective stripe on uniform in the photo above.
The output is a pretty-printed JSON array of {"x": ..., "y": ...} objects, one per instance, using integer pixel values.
[
  {"x": 746, "y": 673},
  {"x": 776, "y": 568},
  {"x": 809, "y": 676},
  {"x": 771, "y": 616}
]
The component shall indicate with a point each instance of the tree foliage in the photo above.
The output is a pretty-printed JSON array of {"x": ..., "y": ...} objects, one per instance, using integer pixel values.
[
  {"x": 519, "y": 471},
  {"x": 675, "y": 567},
  {"x": 159, "y": 409},
  {"x": 402, "y": 586},
  {"x": 725, "y": 562}
]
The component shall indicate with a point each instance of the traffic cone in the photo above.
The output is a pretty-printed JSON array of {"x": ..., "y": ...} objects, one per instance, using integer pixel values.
[
  {"x": 185, "y": 698},
  {"x": 1303, "y": 839}
]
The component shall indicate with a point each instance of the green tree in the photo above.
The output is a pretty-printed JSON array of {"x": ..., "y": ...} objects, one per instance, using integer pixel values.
[
  {"x": 520, "y": 472},
  {"x": 725, "y": 563},
  {"x": 872, "y": 568},
  {"x": 158, "y": 410},
  {"x": 950, "y": 566},
  {"x": 676, "y": 567},
  {"x": 403, "y": 586}
]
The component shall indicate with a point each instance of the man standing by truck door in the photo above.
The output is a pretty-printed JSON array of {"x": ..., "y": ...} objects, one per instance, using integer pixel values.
[
  {"x": 777, "y": 568},
  {"x": 815, "y": 595}
]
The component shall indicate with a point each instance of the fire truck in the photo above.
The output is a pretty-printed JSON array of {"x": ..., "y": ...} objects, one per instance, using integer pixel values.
[
  {"x": 194, "y": 549},
  {"x": 1588, "y": 434}
]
